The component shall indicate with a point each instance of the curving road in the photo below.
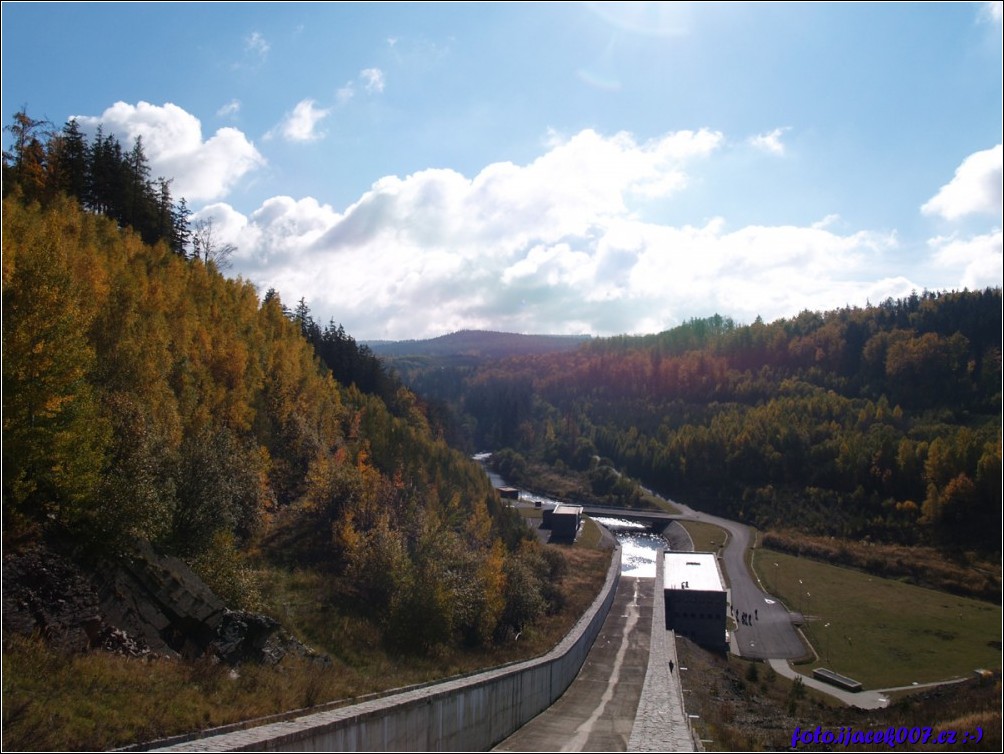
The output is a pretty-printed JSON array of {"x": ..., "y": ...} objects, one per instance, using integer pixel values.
[{"x": 771, "y": 634}]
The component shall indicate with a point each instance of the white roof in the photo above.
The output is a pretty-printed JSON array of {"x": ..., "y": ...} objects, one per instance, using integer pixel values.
[
  {"x": 692, "y": 570},
  {"x": 566, "y": 509}
]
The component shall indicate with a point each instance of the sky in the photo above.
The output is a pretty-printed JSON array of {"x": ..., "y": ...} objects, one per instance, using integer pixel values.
[{"x": 411, "y": 170}]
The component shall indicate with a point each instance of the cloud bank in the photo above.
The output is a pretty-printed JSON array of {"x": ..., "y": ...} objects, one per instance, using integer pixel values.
[
  {"x": 975, "y": 190},
  {"x": 979, "y": 258},
  {"x": 563, "y": 244},
  {"x": 557, "y": 245}
]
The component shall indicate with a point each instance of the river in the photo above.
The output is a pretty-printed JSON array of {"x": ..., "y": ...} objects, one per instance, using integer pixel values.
[{"x": 638, "y": 545}]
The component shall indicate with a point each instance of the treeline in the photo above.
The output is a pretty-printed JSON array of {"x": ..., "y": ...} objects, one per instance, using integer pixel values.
[
  {"x": 879, "y": 422},
  {"x": 915, "y": 564},
  {"x": 351, "y": 363},
  {"x": 146, "y": 396},
  {"x": 481, "y": 344},
  {"x": 102, "y": 175}
]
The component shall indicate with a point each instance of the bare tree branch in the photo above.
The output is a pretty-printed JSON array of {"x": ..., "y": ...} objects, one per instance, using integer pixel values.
[{"x": 207, "y": 246}]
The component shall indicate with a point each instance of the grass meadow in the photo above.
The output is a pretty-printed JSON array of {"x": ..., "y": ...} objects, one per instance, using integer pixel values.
[{"x": 883, "y": 632}]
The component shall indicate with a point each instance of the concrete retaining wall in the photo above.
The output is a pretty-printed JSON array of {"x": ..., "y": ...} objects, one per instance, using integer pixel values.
[{"x": 465, "y": 714}]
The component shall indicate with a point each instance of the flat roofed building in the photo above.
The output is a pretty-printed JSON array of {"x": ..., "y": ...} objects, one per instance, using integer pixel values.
[
  {"x": 696, "y": 604},
  {"x": 565, "y": 521}
]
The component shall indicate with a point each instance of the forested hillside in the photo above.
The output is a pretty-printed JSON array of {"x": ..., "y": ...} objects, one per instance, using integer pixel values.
[
  {"x": 881, "y": 422},
  {"x": 148, "y": 397},
  {"x": 104, "y": 177}
]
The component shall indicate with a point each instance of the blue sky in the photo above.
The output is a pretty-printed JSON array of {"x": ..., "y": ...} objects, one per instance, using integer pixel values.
[{"x": 414, "y": 169}]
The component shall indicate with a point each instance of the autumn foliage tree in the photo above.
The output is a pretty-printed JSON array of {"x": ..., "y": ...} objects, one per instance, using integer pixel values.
[
  {"x": 146, "y": 396},
  {"x": 881, "y": 421}
]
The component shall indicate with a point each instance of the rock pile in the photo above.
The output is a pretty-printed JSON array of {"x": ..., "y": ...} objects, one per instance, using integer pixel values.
[{"x": 145, "y": 604}]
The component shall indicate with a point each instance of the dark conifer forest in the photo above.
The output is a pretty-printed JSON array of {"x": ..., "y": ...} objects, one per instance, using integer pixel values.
[{"x": 101, "y": 174}]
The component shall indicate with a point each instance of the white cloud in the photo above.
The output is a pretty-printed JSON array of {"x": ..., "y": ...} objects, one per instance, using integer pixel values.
[
  {"x": 770, "y": 142},
  {"x": 552, "y": 246},
  {"x": 975, "y": 189},
  {"x": 977, "y": 261},
  {"x": 992, "y": 11},
  {"x": 346, "y": 93},
  {"x": 256, "y": 43},
  {"x": 826, "y": 222},
  {"x": 172, "y": 141},
  {"x": 301, "y": 124},
  {"x": 228, "y": 223},
  {"x": 373, "y": 79},
  {"x": 230, "y": 109}
]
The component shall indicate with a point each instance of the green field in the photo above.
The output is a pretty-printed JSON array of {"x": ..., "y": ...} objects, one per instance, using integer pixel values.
[
  {"x": 591, "y": 534},
  {"x": 657, "y": 502},
  {"x": 707, "y": 537},
  {"x": 881, "y": 632}
]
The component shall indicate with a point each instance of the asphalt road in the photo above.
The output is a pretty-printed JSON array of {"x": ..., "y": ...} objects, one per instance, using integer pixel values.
[{"x": 771, "y": 633}]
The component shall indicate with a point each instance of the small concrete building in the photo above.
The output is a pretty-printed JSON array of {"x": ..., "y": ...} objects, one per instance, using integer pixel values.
[
  {"x": 696, "y": 604},
  {"x": 565, "y": 521},
  {"x": 508, "y": 493}
]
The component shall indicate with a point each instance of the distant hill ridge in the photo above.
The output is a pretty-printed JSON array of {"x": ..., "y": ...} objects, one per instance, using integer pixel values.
[{"x": 481, "y": 343}]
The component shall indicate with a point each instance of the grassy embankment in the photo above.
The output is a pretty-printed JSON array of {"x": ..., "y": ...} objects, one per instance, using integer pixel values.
[
  {"x": 745, "y": 706},
  {"x": 899, "y": 634},
  {"x": 882, "y": 632},
  {"x": 706, "y": 537},
  {"x": 98, "y": 701}
]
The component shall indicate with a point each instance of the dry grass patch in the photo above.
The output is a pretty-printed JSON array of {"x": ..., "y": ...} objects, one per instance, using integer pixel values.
[
  {"x": 98, "y": 701},
  {"x": 962, "y": 574}
]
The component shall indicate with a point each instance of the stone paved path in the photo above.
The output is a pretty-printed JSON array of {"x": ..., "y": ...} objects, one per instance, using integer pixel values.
[{"x": 661, "y": 723}]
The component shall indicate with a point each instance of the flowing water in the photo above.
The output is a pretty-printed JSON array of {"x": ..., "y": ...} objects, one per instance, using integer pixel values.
[{"x": 638, "y": 545}]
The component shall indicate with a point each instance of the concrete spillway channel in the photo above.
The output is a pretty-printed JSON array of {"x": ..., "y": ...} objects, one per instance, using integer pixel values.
[
  {"x": 464, "y": 714},
  {"x": 606, "y": 687},
  {"x": 625, "y": 698}
]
